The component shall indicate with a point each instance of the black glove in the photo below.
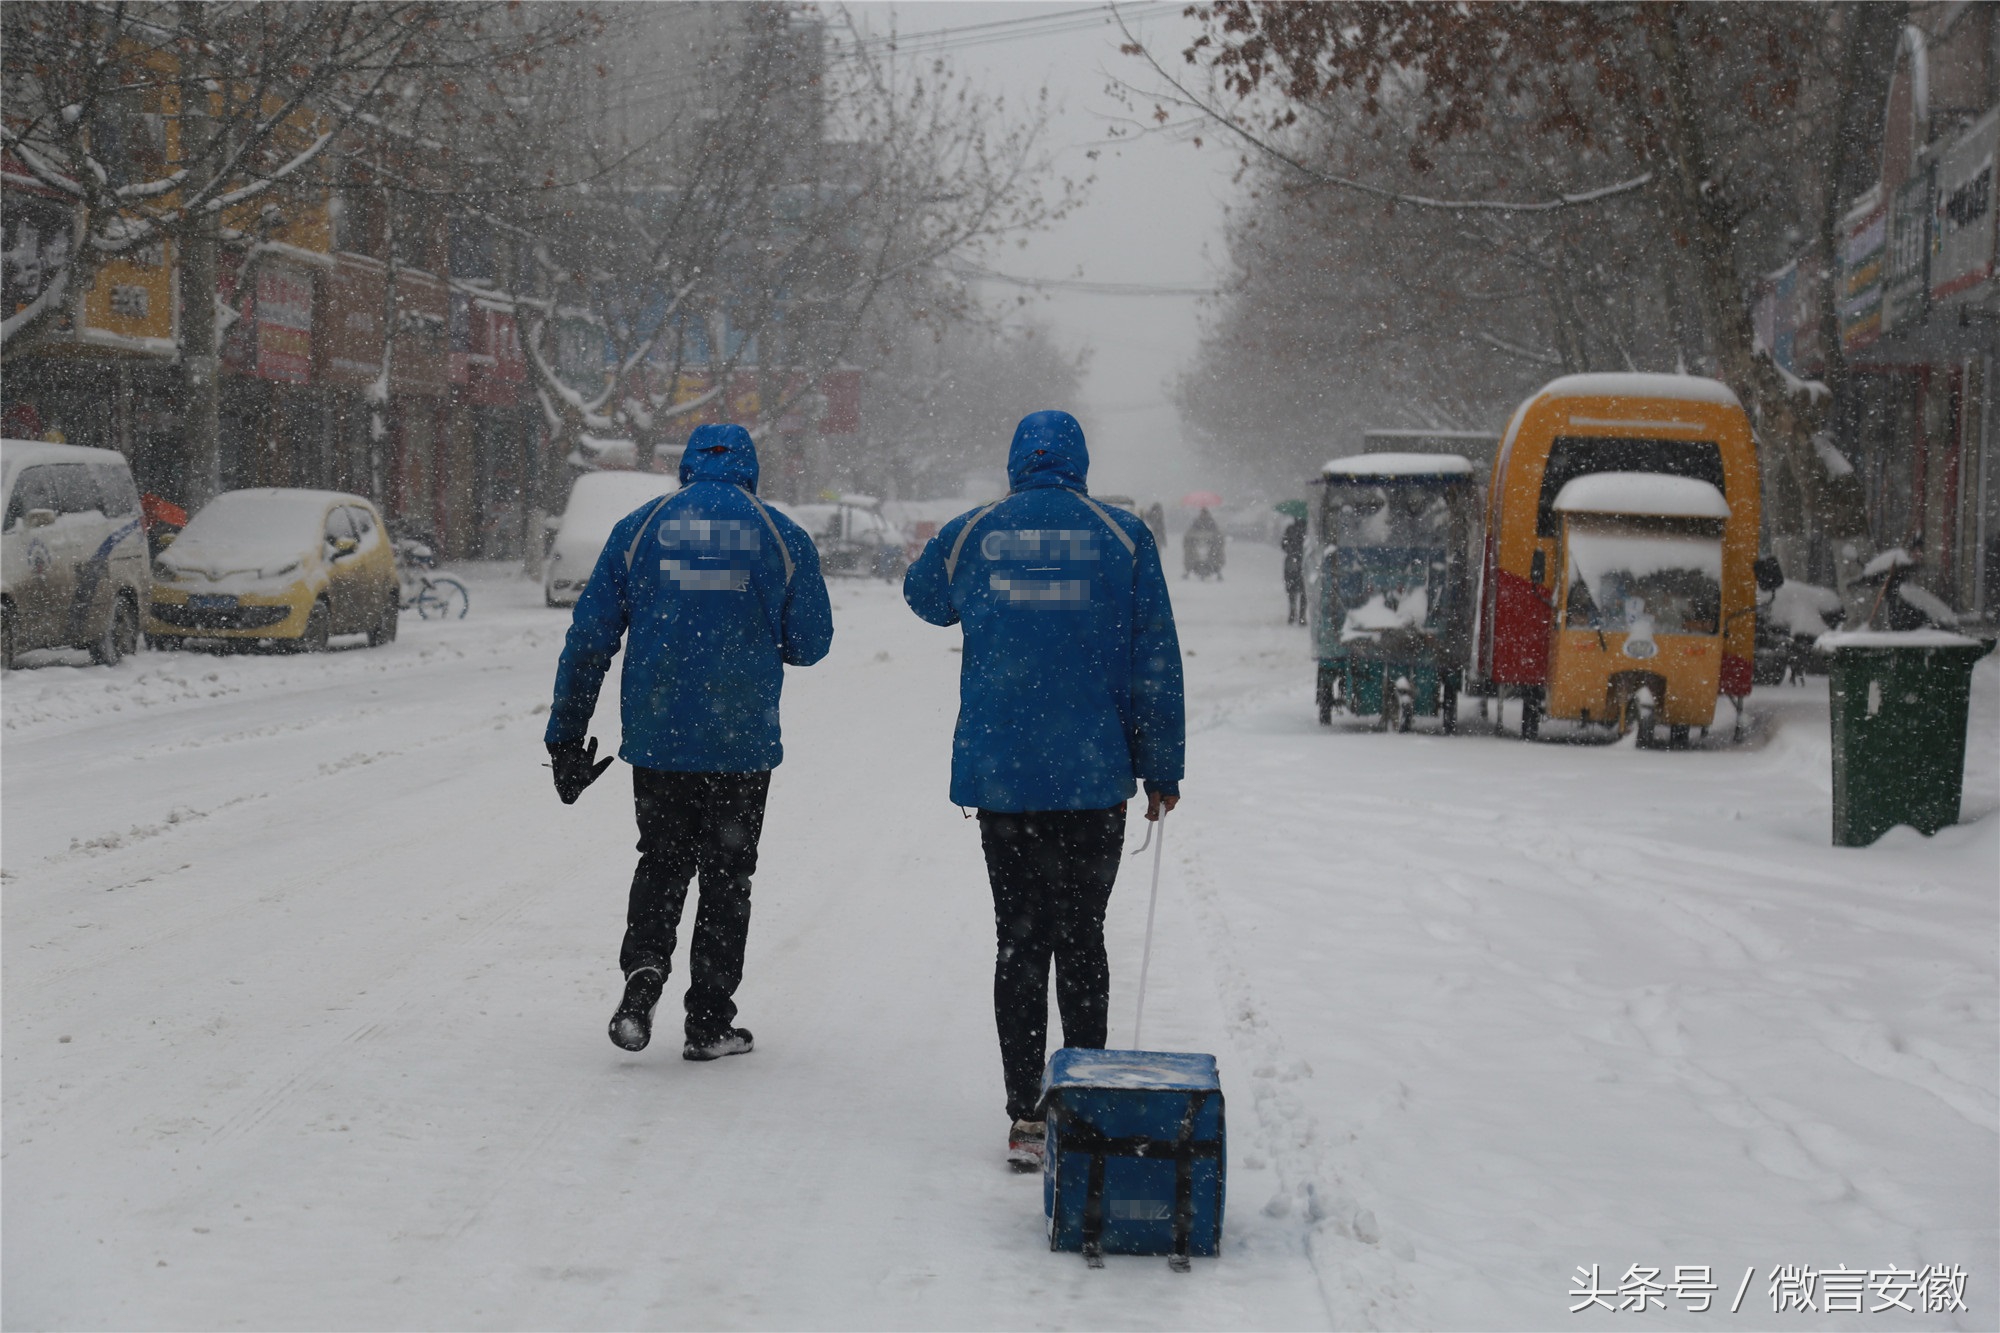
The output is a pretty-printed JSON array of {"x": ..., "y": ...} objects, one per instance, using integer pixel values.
[{"x": 576, "y": 766}]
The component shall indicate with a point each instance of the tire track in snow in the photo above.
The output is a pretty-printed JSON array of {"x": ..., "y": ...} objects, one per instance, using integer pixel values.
[{"x": 1359, "y": 1283}]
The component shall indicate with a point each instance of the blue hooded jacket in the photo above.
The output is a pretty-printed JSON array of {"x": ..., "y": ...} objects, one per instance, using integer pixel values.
[
  {"x": 1071, "y": 686},
  {"x": 719, "y": 592}
]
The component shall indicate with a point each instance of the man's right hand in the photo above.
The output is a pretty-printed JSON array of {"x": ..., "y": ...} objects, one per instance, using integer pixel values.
[
  {"x": 576, "y": 766},
  {"x": 1159, "y": 803}
]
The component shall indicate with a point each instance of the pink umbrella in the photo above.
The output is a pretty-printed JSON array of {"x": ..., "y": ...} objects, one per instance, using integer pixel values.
[{"x": 1201, "y": 500}]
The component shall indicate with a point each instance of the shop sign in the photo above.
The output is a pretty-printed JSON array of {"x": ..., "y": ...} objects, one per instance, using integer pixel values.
[
  {"x": 1864, "y": 237},
  {"x": 1906, "y": 264},
  {"x": 284, "y": 323},
  {"x": 131, "y": 300},
  {"x": 420, "y": 361},
  {"x": 842, "y": 391},
  {"x": 1963, "y": 226},
  {"x": 497, "y": 364},
  {"x": 350, "y": 323}
]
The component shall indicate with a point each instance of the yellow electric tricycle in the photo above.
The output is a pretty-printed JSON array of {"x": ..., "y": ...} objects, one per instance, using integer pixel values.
[{"x": 1639, "y": 618}]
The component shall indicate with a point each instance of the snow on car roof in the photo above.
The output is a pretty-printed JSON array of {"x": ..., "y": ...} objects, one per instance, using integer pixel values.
[
  {"x": 1641, "y": 493},
  {"x": 20, "y": 453},
  {"x": 1399, "y": 465},
  {"x": 1639, "y": 384}
]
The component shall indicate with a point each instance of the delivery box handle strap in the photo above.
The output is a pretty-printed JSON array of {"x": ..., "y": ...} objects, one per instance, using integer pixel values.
[
  {"x": 1184, "y": 1182},
  {"x": 632, "y": 551},
  {"x": 1093, "y": 1213}
]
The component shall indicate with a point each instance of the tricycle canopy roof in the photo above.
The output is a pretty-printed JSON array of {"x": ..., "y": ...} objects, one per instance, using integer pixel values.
[
  {"x": 1376, "y": 467},
  {"x": 1651, "y": 494}
]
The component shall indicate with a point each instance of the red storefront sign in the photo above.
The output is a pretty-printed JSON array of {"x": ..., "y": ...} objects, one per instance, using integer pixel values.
[
  {"x": 420, "y": 360},
  {"x": 284, "y": 323},
  {"x": 496, "y": 365},
  {"x": 842, "y": 391},
  {"x": 350, "y": 323}
]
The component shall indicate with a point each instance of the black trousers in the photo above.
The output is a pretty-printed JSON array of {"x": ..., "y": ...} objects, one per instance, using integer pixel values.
[
  {"x": 1051, "y": 873},
  {"x": 689, "y": 823}
]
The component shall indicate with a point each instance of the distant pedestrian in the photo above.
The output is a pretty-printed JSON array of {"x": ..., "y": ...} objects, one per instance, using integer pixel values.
[
  {"x": 1293, "y": 543},
  {"x": 1201, "y": 547},
  {"x": 1070, "y": 690},
  {"x": 719, "y": 593},
  {"x": 1156, "y": 523}
]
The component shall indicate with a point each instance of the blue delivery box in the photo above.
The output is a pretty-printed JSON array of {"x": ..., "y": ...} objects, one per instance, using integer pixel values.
[{"x": 1135, "y": 1153}]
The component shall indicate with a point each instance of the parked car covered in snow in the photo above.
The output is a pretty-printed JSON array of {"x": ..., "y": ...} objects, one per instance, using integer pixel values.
[
  {"x": 72, "y": 556},
  {"x": 597, "y": 501},
  {"x": 853, "y": 537},
  {"x": 292, "y": 567}
]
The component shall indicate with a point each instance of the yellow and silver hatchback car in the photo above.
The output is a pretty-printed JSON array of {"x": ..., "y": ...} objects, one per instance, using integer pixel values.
[{"x": 285, "y": 565}]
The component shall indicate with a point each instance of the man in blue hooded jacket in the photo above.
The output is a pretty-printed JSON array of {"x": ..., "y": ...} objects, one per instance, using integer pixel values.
[
  {"x": 1070, "y": 690},
  {"x": 714, "y": 594}
]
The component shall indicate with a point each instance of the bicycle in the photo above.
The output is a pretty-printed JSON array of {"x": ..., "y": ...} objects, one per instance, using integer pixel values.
[{"x": 435, "y": 596}]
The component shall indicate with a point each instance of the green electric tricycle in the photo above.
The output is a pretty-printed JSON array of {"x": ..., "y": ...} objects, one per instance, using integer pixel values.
[{"x": 1392, "y": 623}]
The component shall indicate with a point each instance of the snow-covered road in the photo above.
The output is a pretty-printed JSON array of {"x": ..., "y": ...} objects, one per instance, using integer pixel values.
[{"x": 306, "y": 974}]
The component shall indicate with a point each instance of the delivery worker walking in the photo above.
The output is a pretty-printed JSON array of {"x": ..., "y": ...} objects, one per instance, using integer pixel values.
[
  {"x": 1070, "y": 690},
  {"x": 719, "y": 593}
]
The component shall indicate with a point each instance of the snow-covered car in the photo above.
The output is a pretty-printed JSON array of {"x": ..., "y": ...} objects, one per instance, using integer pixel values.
[
  {"x": 597, "y": 501},
  {"x": 72, "y": 556},
  {"x": 289, "y": 566},
  {"x": 853, "y": 537}
]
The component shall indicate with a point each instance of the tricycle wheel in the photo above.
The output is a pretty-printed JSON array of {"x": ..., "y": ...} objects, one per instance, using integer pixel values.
[
  {"x": 1531, "y": 714},
  {"x": 1677, "y": 738},
  {"x": 1323, "y": 697},
  {"x": 1448, "y": 705}
]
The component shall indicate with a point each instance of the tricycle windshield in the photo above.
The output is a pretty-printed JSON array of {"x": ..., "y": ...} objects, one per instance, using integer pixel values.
[
  {"x": 1645, "y": 582},
  {"x": 1391, "y": 549},
  {"x": 1389, "y": 516}
]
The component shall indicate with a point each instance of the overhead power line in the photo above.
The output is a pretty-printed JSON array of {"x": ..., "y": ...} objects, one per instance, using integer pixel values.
[
  {"x": 1081, "y": 286},
  {"x": 938, "y": 40}
]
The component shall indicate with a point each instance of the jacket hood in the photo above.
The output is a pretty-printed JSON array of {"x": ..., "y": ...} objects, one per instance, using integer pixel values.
[
  {"x": 1048, "y": 450},
  {"x": 721, "y": 453}
]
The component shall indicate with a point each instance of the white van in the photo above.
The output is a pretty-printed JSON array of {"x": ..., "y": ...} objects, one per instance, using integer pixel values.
[
  {"x": 73, "y": 570},
  {"x": 597, "y": 502}
]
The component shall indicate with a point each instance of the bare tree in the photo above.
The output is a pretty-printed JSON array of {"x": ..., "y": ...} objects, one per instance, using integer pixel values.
[
  {"x": 205, "y": 124},
  {"x": 1722, "y": 120},
  {"x": 798, "y": 193}
]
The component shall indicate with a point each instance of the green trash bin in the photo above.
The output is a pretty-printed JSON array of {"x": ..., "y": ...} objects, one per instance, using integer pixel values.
[{"x": 1899, "y": 704}]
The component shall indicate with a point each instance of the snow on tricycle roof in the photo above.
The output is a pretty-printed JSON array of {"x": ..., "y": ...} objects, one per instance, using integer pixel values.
[
  {"x": 1399, "y": 465},
  {"x": 1647, "y": 493},
  {"x": 1640, "y": 384}
]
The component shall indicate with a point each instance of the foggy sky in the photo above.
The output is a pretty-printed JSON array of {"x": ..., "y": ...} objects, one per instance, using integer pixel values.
[{"x": 1153, "y": 216}]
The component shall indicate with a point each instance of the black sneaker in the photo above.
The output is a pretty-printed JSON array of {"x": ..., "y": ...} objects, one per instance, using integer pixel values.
[
  {"x": 735, "y": 1041},
  {"x": 632, "y": 1025}
]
